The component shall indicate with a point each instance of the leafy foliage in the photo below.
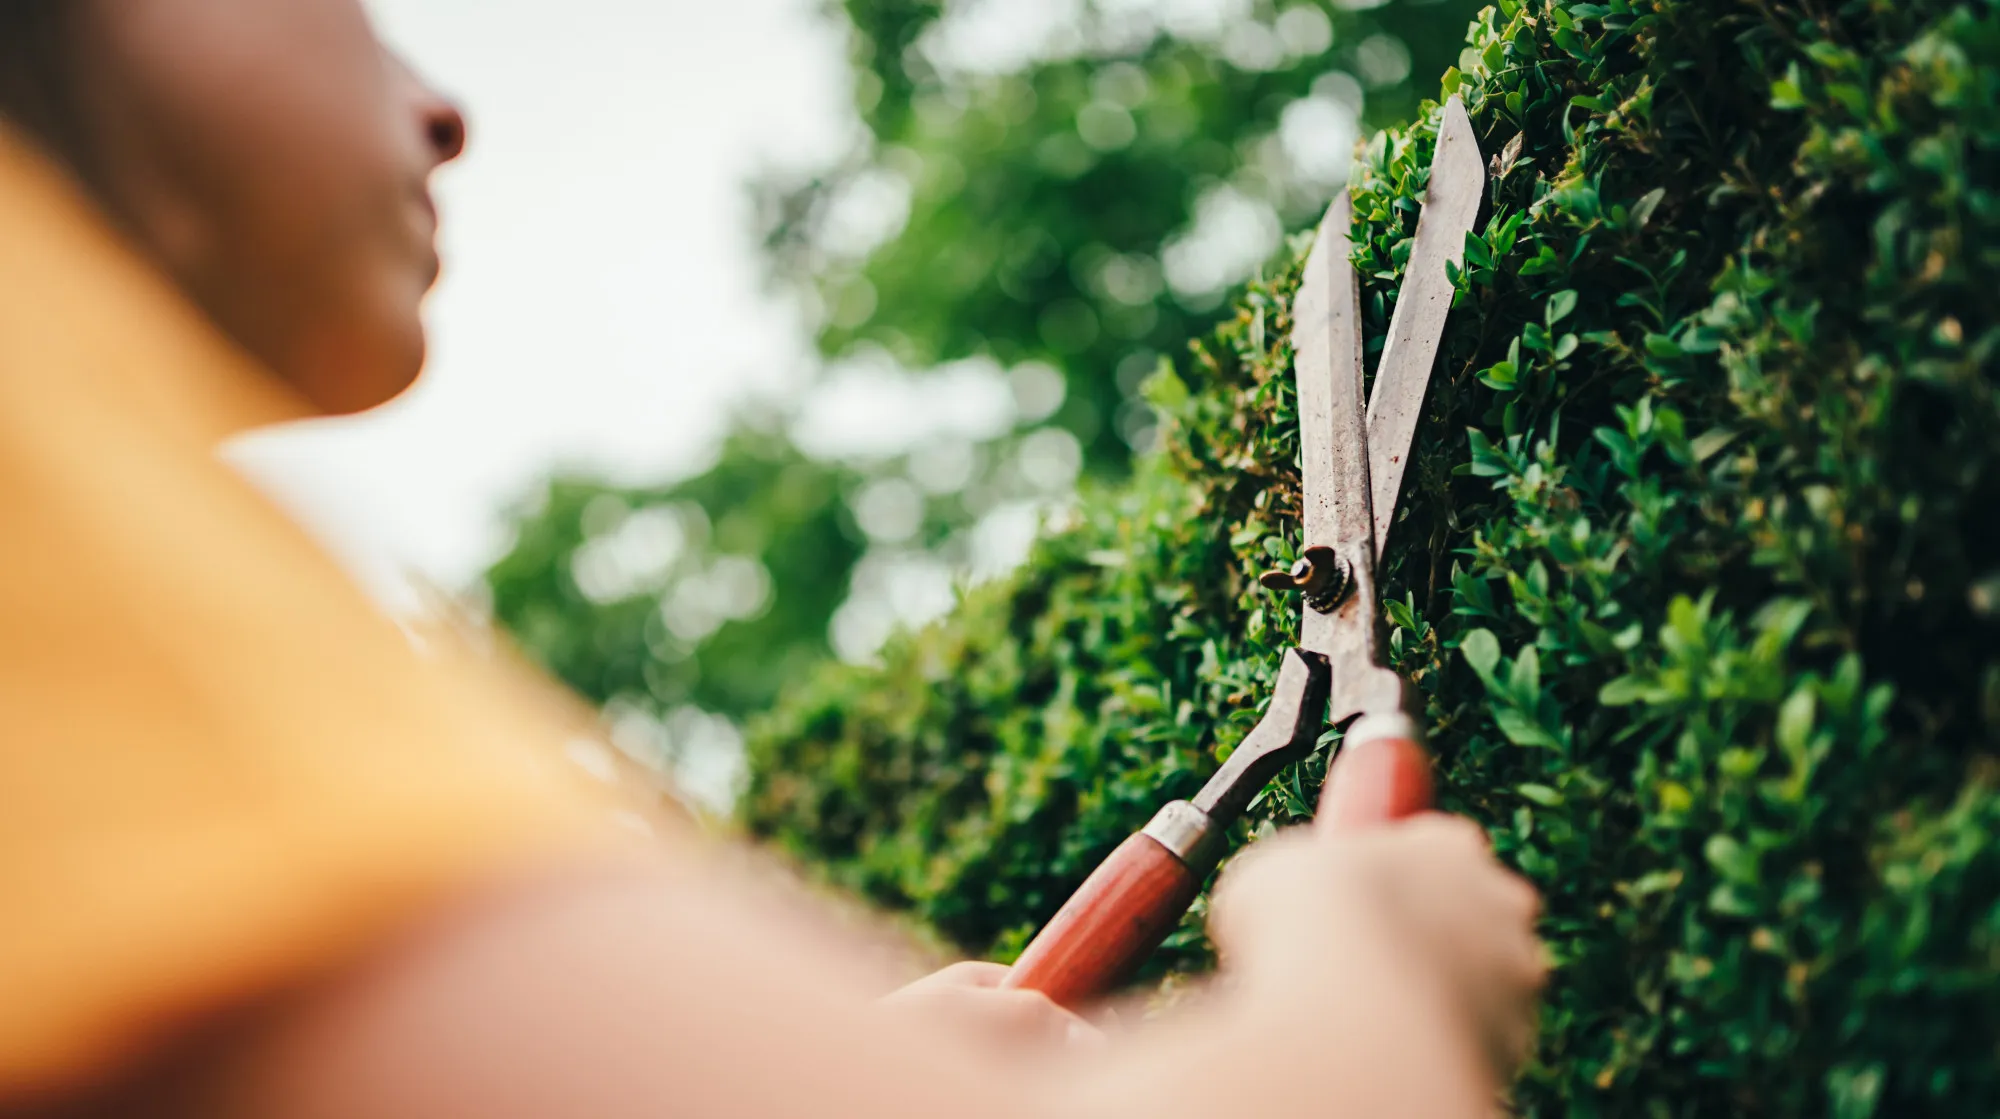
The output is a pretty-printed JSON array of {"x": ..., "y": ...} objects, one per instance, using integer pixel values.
[{"x": 1698, "y": 570}]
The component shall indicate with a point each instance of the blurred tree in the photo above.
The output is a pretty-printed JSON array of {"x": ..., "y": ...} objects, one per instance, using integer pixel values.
[
  {"x": 616, "y": 590},
  {"x": 1088, "y": 209},
  {"x": 1035, "y": 210}
]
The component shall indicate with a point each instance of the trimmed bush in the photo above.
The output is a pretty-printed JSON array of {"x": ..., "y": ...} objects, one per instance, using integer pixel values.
[{"x": 1699, "y": 571}]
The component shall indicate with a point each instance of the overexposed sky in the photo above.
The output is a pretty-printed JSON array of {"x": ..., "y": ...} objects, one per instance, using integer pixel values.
[{"x": 602, "y": 304}]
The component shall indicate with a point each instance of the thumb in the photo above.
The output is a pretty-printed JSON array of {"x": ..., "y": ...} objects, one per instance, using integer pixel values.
[{"x": 1373, "y": 781}]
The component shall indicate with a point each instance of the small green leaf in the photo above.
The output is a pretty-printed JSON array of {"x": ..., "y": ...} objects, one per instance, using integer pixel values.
[
  {"x": 1501, "y": 376},
  {"x": 1788, "y": 92},
  {"x": 1399, "y": 613},
  {"x": 1656, "y": 882},
  {"x": 1642, "y": 210},
  {"x": 1522, "y": 730},
  {"x": 1526, "y": 677},
  {"x": 1795, "y": 722},
  {"x": 1560, "y": 306},
  {"x": 1855, "y": 1090},
  {"x": 1710, "y": 443},
  {"x": 1732, "y": 859},
  {"x": 1482, "y": 651},
  {"x": 1624, "y": 691},
  {"x": 1662, "y": 346},
  {"x": 1487, "y": 461},
  {"x": 1477, "y": 252},
  {"x": 1165, "y": 390}
]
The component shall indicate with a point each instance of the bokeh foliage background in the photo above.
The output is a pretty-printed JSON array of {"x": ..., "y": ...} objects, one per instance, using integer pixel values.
[
  {"x": 1700, "y": 570},
  {"x": 1043, "y": 221}
]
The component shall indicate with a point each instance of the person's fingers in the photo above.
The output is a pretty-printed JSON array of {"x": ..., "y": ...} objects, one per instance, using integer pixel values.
[
  {"x": 1507, "y": 976},
  {"x": 1515, "y": 906},
  {"x": 1522, "y": 898},
  {"x": 1032, "y": 1015},
  {"x": 972, "y": 973},
  {"x": 1259, "y": 888},
  {"x": 964, "y": 975},
  {"x": 1452, "y": 834},
  {"x": 1082, "y": 1032},
  {"x": 1071, "y": 1027},
  {"x": 1078, "y": 1030},
  {"x": 1473, "y": 918},
  {"x": 968, "y": 995},
  {"x": 1509, "y": 1045},
  {"x": 1431, "y": 881}
]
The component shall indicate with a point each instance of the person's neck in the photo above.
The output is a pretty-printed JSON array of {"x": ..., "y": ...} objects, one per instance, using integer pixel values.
[{"x": 74, "y": 297}]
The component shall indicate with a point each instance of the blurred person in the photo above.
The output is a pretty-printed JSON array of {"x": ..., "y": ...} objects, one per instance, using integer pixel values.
[{"x": 260, "y": 855}]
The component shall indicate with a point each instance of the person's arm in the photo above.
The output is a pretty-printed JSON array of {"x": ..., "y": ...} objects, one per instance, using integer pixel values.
[{"x": 1396, "y": 964}]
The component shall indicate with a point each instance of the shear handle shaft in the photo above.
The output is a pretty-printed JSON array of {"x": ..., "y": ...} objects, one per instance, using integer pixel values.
[
  {"x": 1123, "y": 911},
  {"x": 1129, "y": 904}
]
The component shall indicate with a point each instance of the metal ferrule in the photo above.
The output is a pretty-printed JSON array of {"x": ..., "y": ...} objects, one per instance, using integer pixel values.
[{"x": 1189, "y": 833}]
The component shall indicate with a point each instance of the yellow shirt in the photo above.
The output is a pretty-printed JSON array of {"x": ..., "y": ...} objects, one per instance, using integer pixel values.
[{"x": 221, "y": 770}]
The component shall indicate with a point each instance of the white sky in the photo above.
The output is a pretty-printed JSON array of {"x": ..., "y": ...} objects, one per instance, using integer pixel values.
[{"x": 602, "y": 302}]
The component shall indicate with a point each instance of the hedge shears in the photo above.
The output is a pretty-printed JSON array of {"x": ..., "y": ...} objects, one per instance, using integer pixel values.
[{"x": 1353, "y": 452}]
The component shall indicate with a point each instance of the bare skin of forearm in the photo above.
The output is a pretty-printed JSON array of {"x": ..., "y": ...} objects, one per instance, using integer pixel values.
[{"x": 686, "y": 993}]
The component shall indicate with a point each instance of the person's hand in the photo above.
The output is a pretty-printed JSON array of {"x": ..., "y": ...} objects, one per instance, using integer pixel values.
[
  {"x": 1422, "y": 905},
  {"x": 968, "y": 995}
]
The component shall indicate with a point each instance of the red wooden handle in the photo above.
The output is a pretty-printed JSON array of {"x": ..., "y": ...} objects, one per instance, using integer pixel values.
[
  {"x": 1110, "y": 925},
  {"x": 1377, "y": 777},
  {"x": 1131, "y": 902}
]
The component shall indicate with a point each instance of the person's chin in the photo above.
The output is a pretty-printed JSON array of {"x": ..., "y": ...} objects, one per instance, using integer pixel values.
[
  {"x": 368, "y": 370},
  {"x": 401, "y": 365}
]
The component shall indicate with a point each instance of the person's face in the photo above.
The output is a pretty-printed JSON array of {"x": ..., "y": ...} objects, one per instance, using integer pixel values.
[{"x": 275, "y": 160}]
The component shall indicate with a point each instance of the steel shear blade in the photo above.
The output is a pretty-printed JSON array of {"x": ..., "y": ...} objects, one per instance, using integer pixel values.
[
  {"x": 1352, "y": 459},
  {"x": 1354, "y": 450}
]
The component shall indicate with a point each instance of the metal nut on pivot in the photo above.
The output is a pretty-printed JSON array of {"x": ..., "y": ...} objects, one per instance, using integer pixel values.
[{"x": 1320, "y": 574}]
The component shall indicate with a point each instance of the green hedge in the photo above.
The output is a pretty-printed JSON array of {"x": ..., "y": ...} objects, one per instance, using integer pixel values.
[{"x": 1700, "y": 571}]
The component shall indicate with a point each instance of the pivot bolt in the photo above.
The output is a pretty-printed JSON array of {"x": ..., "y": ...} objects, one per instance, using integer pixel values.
[{"x": 1321, "y": 575}]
